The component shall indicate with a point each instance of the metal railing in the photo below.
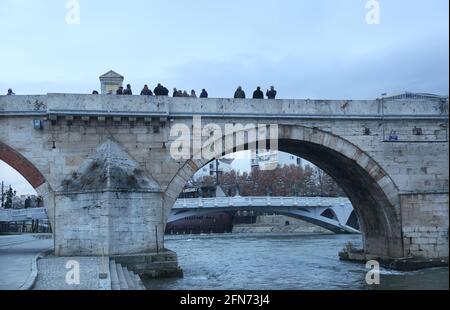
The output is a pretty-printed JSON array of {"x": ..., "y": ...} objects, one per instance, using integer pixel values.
[{"x": 223, "y": 202}]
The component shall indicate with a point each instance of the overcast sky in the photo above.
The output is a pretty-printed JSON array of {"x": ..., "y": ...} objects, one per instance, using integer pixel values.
[{"x": 320, "y": 49}]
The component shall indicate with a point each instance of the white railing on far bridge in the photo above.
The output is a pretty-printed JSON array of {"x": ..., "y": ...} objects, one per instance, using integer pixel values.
[{"x": 238, "y": 201}]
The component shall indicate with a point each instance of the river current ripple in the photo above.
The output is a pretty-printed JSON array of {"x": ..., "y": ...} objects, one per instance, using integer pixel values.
[{"x": 280, "y": 262}]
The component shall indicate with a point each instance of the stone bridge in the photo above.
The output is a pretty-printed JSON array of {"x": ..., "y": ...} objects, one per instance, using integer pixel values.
[{"x": 104, "y": 167}]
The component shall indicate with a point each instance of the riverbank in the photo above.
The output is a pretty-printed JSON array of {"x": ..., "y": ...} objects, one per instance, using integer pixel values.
[{"x": 400, "y": 264}]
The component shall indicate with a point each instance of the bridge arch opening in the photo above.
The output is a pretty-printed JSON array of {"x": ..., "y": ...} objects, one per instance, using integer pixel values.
[
  {"x": 376, "y": 211},
  {"x": 12, "y": 178},
  {"x": 329, "y": 213},
  {"x": 28, "y": 178},
  {"x": 241, "y": 186},
  {"x": 21, "y": 165},
  {"x": 372, "y": 192}
]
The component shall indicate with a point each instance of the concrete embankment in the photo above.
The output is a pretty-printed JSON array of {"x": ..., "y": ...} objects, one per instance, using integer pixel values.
[
  {"x": 279, "y": 224},
  {"x": 18, "y": 255}
]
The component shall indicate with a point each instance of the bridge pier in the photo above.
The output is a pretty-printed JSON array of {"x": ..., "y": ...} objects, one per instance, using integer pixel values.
[
  {"x": 425, "y": 224},
  {"x": 111, "y": 208}
]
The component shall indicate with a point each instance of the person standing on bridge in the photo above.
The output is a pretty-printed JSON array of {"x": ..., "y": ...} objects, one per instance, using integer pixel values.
[
  {"x": 272, "y": 93},
  {"x": 239, "y": 94},
  {"x": 258, "y": 94},
  {"x": 175, "y": 93},
  {"x": 128, "y": 91},
  {"x": 10, "y": 92},
  {"x": 193, "y": 94},
  {"x": 146, "y": 91},
  {"x": 161, "y": 90},
  {"x": 204, "y": 94},
  {"x": 119, "y": 91}
]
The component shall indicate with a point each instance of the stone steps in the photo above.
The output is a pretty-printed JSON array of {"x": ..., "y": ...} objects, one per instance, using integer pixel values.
[
  {"x": 130, "y": 282},
  {"x": 124, "y": 279},
  {"x": 115, "y": 284}
]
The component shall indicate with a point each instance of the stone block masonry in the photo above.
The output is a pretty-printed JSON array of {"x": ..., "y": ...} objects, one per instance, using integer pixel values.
[
  {"x": 108, "y": 207},
  {"x": 104, "y": 168},
  {"x": 108, "y": 223},
  {"x": 425, "y": 220}
]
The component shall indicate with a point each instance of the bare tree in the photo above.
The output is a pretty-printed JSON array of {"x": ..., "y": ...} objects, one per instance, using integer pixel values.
[{"x": 283, "y": 181}]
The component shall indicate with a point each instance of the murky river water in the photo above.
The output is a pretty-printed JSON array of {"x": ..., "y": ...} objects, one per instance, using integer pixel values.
[{"x": 282, "y": 262}]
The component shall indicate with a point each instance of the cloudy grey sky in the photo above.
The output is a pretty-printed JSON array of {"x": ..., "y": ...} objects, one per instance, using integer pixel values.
[{"x": 306, "y": 48}]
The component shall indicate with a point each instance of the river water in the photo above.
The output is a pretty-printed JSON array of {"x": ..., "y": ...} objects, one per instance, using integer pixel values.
[{"x": 280, "y": 262}]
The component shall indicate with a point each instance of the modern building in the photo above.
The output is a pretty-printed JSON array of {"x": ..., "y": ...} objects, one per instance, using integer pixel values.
[
  {"x": 270, "y": 160},
  {"x": 222, "y": 165}
]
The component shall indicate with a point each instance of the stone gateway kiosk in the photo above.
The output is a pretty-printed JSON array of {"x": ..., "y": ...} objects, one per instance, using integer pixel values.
[{"x": 102, "y": 163}]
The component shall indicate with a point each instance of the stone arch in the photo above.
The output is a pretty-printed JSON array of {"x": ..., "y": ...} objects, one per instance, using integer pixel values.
[
  {"x": 21, "y": 165},
  {"x": 32, "y": 174},
  {"x": 371, "y": 190}
]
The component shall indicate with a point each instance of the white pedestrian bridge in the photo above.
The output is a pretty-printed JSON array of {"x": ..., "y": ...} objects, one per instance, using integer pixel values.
[{"x": 334, "y": 214}]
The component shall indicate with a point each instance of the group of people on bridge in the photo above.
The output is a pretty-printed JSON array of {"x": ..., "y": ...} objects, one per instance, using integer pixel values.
[
  {"x": 257, "y": 94},
  {"x": 160, "y": 90}
]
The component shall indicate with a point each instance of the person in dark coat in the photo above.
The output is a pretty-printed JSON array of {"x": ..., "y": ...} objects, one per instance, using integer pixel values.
[
  {"x": 119, "y": 91},
  {"x": 239, "y": 94},
  {"x": 258, "y": 94},
  {"x": 10, "y": 92},
  {"x": 175, "y": 93},
  {"x": 146, "y": 91},
  {"x": 272, "y": 93},
  {"x": 204, "y": 94},
  {"x": 161, "y": 90},
  {"x": 128, "y": 91}
]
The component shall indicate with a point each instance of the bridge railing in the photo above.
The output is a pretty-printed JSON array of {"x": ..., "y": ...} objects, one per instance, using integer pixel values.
[
  {"x": 146, "y": 106},
  {"x": 223, "y": 202},
  {"x": 11, "y": 215}
]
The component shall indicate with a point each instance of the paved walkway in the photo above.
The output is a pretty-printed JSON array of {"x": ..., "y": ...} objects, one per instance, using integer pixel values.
[
  {"x": 16, "y": 256},
  {"x": 52, "y": 272}
]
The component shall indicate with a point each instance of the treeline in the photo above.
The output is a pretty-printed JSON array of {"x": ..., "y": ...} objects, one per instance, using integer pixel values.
[
  {"x": 285, "y": 181},
  {"x": 7, "y": 195}
]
